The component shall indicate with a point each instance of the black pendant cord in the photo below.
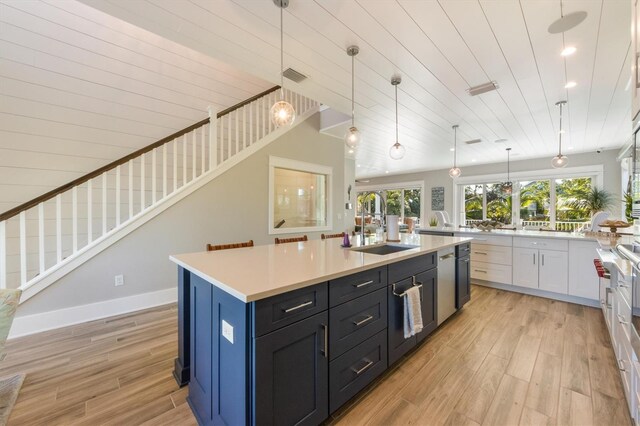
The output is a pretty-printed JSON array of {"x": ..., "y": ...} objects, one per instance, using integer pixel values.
[{"x": 455, "y": 145}]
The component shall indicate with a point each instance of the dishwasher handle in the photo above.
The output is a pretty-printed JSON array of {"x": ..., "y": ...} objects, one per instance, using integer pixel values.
[{"x": 446, "y": 256}]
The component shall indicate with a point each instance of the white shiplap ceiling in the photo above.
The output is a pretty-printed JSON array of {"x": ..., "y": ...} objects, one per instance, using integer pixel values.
[
  {"x": 440, "y": 48},
  {"x": 80, "y": 88}
]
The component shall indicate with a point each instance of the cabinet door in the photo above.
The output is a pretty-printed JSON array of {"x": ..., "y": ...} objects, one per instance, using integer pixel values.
[
  {"x": 398, "y": 345},
  {"x": 428, "y": 302},
  {"x": 583, "y": 279},
  {"x": 291, "y": 374},
  {"x": 554, "y": 271},
  {"x": 525, "y": 267},
  {"x": 635, "y": 45},
  {"x": 463, "y": 281}
]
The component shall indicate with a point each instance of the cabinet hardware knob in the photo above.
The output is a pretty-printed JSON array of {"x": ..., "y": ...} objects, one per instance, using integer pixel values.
[
  {"x": 363, "y": 284},
  {"x": 363, "y": 369},
  {"x": 295, "y": 308},
  {"x": 359, "y": 323}
]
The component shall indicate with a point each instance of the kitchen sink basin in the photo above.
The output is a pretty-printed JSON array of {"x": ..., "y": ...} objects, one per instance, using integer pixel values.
[{"x": 384, "y": 248}]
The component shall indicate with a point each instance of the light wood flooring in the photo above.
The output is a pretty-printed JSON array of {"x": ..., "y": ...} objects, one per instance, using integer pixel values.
[{"x": 505, "y": 359}]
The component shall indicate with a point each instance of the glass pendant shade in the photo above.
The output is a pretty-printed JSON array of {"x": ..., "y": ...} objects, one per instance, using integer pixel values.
[
  {"x": 353, "y": 137},
  {"x": 559, "y": 161},
  {"x": 455, "y": 172},
  {"x": 282, "y": 114},
  {"x": 396, "y": 151}
]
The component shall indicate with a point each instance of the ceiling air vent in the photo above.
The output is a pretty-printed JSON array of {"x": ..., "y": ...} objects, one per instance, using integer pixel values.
[
  {"x": 483, "y": 88},
  {"x": 293, "y": 75},
  {"x": 501, "y": 141},
  {"x": 473, "y": 141}
]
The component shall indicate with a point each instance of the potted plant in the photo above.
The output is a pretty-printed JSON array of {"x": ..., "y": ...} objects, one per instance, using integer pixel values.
[
  {"x": 628, "y": 206},
  {"x": 594, "y": 201},
  {"x": 433, "y": 222}
]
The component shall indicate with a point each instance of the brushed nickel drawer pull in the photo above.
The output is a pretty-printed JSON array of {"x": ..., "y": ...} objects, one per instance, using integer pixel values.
[
  {"x": 362, "y": 370},
  {"x": 295, "y": 308},
  {"x": 621, "y": 365},
  {"x": 363, "y": 284},
  {"x": 621, "y": 319},
  {"x": 478, "y": 270},
  {"x": 480, "y": 252},
  {"x": 359, "y": 323}
]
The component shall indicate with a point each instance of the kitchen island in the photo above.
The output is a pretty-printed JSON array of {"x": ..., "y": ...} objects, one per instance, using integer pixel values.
[{"x": 286, "y": 334}]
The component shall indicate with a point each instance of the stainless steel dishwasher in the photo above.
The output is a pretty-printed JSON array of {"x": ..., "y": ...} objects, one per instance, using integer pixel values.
[{"x": 446, "y": 284}]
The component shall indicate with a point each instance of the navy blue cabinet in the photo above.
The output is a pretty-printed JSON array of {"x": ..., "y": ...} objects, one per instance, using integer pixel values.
[
  {"x": 291, "y": 374},
  {"x": 398, "y": 345}
]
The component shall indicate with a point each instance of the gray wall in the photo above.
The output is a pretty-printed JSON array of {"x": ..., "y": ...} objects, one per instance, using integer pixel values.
[
  {"x": 233, "y": 207},
  {"x": 441, "y": 177}
]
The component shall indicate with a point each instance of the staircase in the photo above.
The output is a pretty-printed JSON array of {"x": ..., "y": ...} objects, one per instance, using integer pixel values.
[{"x": 47, "y": 237}]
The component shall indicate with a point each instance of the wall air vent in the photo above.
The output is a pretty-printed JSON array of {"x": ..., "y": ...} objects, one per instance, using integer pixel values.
[
  {"x": 293, "y": 75},
  {"x": 473, "y": 141},
  {"x": 483, "y": 88}
]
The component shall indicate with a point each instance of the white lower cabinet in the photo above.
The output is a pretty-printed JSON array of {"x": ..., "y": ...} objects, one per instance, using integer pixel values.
[
  {"x": 543, "y": 269},
  {"x": 583, "y": 282}
]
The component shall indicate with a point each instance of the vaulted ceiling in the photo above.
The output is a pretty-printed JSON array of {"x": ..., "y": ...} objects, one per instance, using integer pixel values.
[{"x": 440, "y": 48}]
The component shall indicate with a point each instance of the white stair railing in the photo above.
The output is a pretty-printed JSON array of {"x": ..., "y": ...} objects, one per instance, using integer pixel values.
[{"x": 40, "y": 236}]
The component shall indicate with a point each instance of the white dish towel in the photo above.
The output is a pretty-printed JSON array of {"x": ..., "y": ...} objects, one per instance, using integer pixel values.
[{"x": 412, "y": 312}]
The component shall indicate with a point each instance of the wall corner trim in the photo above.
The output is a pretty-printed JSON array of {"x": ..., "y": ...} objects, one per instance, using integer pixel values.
[{"x": 36, "y": 323}]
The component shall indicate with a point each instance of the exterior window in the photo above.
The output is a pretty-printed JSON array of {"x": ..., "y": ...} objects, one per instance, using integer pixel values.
[
  {"x": 535, "y": 200},
  {"x": 473, "y": 203},
  {"x": 412, "y": 204},
  {"x": 571, "y": 211},
  {"x": 394, "y": 202},
  {"x": 498, "y": 199},
  {"x": 404, "y": 202}
]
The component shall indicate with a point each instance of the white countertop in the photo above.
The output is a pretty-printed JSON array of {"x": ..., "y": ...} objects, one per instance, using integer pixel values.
[
  {"x": 516, "y": 233},
  {"x": 254, "y": 273}
]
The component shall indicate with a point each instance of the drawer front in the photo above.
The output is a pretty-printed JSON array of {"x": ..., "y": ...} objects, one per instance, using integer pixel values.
[
  {"x": 623, "y": 287},
  {"x": 623, "y": 360},
  {"x": 541, "y": 243},
  {"x": 486, "y": 238},
  {"x": 354, "y": 322},
  {"x": 354, "y": 370},
  {"x": 407, "y": 268},
  {"x": 463, "y": 250},
  {"x": 491, "y": 272},
  {"x": 284, "y": 309},
  {"x": 347, "y": 288},
  {"x": 491, "y": 254},
  {"x": 623, "y": 316}
]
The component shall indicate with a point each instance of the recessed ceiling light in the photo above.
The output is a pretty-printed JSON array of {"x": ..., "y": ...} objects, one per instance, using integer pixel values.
[
  {"x": 452, "y": 149},
  {"x": 386, "y": 171},
  {"x": 358, "y": 165},
  {"x": 561, "y": 132},
  {"x": 473, "y": 160},
  {"x": 350, "y": 151},
  {"x": 570, "y": 84},
  {"x": 569, "y": 50},
  {"x": 570, "y": 148}
]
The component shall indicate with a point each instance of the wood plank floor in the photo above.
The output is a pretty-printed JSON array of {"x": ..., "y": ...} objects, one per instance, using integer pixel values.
[{"x": 505, "y": 359}]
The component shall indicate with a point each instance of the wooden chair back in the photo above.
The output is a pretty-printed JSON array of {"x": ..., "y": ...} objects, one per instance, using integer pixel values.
[
  {"x": 291, "y": 240},
  {"x": 212, "y": 247},
  {"x": 339, "y": 235}
]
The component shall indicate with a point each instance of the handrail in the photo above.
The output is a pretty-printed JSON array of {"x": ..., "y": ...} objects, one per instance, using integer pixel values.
[
  {"x": 79, "y": 181},
  {"x": 247, "y": 101}
]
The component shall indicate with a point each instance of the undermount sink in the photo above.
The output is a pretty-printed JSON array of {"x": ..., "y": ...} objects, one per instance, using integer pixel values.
[{"x": 384, "y": 248}]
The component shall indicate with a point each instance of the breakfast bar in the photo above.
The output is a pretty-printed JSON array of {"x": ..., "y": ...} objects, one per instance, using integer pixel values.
[{"x": 286, "y": 334}]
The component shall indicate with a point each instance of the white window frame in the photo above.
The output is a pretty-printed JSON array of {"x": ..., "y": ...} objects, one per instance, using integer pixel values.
[
  {"x": 301, "y": 166},
  {"x": 595, "y": 172},
  {"x": 395, "y": 186}
]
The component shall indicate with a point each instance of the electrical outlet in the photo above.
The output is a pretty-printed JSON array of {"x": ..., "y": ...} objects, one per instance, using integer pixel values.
[
  {"x": 119, "y": 280},
  {"x": 227, "y": 331}
]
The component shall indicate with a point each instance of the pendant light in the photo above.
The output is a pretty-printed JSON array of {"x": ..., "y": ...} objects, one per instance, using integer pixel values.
[
  {"x": 455, "y": 171},
  {"x": 282, "y": 112},
  {"x": 397, "y": 150},
  {"x": 508, "y": 185},
  {"x": 353, "y": 137},
  {"x": 560, "y": 160}
]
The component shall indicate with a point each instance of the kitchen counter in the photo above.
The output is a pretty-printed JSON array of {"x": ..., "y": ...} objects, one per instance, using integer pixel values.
[
  {"x": 254, "y": 273},
  {"x": 516, "y": 233}
]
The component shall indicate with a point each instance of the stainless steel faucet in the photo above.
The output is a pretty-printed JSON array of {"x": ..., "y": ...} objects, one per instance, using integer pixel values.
[{"x": 383, "y": 212}]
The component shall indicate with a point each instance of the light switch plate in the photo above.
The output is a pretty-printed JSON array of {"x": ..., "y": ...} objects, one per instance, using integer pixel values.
[{"x": 227, "y": 331}]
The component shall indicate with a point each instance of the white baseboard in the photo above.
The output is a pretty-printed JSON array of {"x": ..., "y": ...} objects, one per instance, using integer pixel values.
[{"x": 30, "y": 324}]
